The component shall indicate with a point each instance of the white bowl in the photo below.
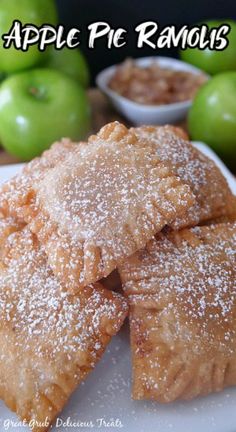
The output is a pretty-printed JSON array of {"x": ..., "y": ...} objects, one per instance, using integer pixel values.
[{"x": 148, "y": 114}]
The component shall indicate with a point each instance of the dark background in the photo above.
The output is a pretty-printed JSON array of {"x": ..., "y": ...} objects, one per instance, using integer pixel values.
[{"x": 129, "y": 13}]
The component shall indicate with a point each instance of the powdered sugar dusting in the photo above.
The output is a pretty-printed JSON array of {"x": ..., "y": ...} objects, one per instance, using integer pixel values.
[
  {"x": 93, "y": 205},
  {"x": 182, "y": 292},
  {"x": 39, "y": 320},
  {"x": 195, "y": 268},
  {"x": 50, "y": 339},
  {"x": 35, "y": 305},
  {"x": 195, "y": 169},
  {"x": 108, "y": 199},
  {"x": 17, "y": 192}
]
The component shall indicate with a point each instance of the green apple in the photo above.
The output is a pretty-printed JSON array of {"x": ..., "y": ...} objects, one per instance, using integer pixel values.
[
  {"x": 212, "y": 117},
  {"x": 212, "y": 61},
  {"x": 2, "y": 76},
  {"x": 38, "y": 107},
  {"x": 71, "y": 62},
  {"x": 36, "y": 12}
]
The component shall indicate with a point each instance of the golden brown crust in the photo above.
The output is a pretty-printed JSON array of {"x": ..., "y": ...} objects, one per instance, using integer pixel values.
[
  {"x": 230, "y": 217},
  {"x": 119, "y": 197},
  {"x": 17, "y": 192},
  {"x": 182, "y": 297},
  {"x": 100, "y": 204},
  {"x": 181, "y": 133},
  {"x": 176, "y": 130},
  {"x": 49, "y": 340},
  {"x": 213, "y": 196}
]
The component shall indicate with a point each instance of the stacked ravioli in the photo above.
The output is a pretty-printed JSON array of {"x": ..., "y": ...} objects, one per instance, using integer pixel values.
[{"x": 144, "y": 202}]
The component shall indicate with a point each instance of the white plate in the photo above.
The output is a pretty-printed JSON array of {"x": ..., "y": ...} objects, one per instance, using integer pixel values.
[
  {"x": 106, "y": 392},
  {"x": 148, "y": 114}
]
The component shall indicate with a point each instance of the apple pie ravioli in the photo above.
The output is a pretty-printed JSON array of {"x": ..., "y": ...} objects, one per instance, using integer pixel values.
[
  {"x": 49, "y": 339},
  {"x": 213, "y": 196},
  {"x": 100, "y": 204},
  {"x": 182, "y": 296},
  {"x": 16, "y": 194}
]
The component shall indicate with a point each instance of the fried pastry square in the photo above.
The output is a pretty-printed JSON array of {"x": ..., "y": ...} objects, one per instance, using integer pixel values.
[
  {"x": 15, "y": 195},
  {"x": 101, "y": 204},
  {"x": 49, "y": 339},
  {"x": 213, "y": 196},
  {"x": 231, "y": 217},
  {"x": 182, "y": 296}
]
